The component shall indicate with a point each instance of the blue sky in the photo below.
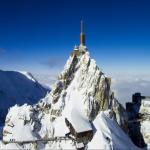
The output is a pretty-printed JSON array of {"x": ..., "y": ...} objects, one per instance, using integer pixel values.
[{"x": 38, "y": 35}]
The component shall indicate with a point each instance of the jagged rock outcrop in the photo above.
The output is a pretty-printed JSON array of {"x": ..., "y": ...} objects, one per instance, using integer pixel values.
[
  {"x": 82, "y": 75},
  {"x": 119, "y": 113},
  {"x": 80, "y": 94},
  {"x": 145, "y": 123}
]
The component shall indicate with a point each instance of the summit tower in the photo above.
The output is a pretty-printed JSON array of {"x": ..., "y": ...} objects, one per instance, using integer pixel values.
[
  {"x": 81, "y": 48},
  {"x": 82, "y": 35}
]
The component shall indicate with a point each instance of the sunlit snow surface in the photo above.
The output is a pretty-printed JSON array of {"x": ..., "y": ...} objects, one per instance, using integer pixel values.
[
  {"x": 109, "y": 135},
  {"x": 20, "y": 130}
]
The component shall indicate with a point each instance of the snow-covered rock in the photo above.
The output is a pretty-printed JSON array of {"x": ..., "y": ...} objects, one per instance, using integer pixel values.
[
  {"x": 145, "y": 123},
  {"x": 20, "y": 119},
  {"x": 18, "y": 88},
  {"x": 79, "y": 96},
  {"x": 82, "y": 86},
  {"x": 109, "y": 135}
]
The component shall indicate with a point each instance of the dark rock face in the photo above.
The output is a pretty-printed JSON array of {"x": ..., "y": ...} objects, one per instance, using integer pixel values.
[{"x": 137, "y": 116}]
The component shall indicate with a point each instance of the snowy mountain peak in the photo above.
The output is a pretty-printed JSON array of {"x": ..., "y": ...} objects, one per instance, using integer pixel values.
[
  {"x": 18, "y": 87},
  {"x": 81, "y": 83},
  {"x": 80, "y": 95},
  {"x": 28, "y": 75}
]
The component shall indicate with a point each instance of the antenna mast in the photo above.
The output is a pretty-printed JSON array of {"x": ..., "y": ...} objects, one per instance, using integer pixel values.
[{"x": 82, "y": 35}]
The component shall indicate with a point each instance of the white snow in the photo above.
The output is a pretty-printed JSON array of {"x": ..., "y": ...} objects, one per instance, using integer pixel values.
[
  {"x": 60, "y": 145},
  {"x": 46, "y": 127},
  {"x": 109, "y": 135},
  {"x": 11, "y": 146},
  {"x": 77, "y": 106},
  {"x": 28, "y": 75},
  {"x": 60, "y": 127},
  {"x": 16, "y": 126}
]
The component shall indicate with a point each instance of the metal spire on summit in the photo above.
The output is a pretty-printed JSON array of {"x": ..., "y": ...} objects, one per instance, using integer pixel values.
[
  {"x": 82, "y": 35},
  {"x": 81, "y": 26}
]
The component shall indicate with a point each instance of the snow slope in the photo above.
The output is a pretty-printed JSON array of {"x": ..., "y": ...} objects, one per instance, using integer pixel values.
[
  {"x": 18, "y": 122},
  {"x": 18, "y": 88},
  {"x": 109, "y": 135}
]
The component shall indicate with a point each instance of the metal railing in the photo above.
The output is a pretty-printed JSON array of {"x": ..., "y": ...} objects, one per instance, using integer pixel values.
[{"x": 39, "y": 140}]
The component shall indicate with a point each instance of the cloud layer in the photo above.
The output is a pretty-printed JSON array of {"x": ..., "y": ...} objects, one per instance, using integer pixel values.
[
  {"x": 55, "y": 62},
  {"x": 124, "y": 87}
]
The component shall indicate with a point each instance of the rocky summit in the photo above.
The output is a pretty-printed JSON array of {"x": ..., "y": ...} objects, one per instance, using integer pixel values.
[{"x": 80, "y": 112}]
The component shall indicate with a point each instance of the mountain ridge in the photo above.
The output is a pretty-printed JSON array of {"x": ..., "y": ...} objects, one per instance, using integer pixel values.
[
  {"x": 81, "y": 93},
  {"x": 18, "y": 87}
]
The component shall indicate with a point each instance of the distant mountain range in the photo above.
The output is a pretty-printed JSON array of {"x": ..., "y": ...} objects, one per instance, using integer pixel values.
[{"x": 18, "y": 88}]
